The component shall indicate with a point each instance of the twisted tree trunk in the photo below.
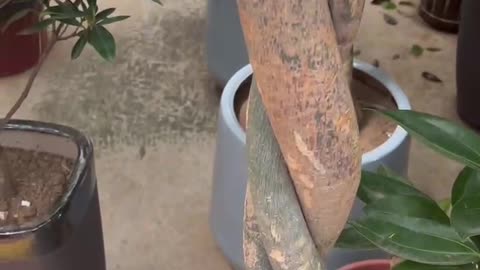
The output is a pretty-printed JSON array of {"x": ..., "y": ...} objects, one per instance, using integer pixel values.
[{"x": 302, "y": 134}]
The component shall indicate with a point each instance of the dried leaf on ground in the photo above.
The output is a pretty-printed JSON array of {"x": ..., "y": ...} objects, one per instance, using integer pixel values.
[
  {"x": 433, "y": 49},
  {"x": 431, "y": 77},
  {"x": 390, "y": 19},
  {"x": 378, "y": 2},
  {"x": 396, "y": 56}
]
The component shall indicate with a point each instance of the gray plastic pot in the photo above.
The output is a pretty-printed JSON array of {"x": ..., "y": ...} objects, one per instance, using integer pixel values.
[
  {"x": 230, "y": 171},
  {"x": 71, "y": 236}
]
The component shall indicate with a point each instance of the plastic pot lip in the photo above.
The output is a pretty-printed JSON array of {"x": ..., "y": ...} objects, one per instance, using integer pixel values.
[
  {"x": 362, "y": 264},
  {"x": 392, "y": 143},
  {"x": 79, "y": 172}
]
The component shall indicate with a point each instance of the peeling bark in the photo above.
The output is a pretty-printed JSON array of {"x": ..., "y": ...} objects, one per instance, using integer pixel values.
[
  {"x": 282, "y": 227},
  {"x": 346, "y": 16},
  {"x": 293, "y": 49}
]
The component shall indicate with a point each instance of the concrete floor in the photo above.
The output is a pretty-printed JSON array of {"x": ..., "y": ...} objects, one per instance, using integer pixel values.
[{"x": 152, "y": 116}]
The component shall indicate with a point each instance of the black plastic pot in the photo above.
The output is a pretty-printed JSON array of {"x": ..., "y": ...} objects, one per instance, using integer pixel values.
[
  {"x": 468, "y": 59},
  {"x": 71, "y": 237},
  {"x": 443, "y": 15}
]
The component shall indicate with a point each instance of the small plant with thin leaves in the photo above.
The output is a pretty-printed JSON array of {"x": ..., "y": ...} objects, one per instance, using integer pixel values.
[
  {"x": 64, "y": 20},
  {"x": 409, "y": 224}
]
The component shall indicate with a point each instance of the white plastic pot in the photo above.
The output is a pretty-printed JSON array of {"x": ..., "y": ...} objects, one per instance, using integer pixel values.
[{"x": 230, "y": 171}]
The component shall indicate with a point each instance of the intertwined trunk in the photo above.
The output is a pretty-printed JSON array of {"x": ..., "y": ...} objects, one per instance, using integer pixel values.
[{"x": 302, "y": 132}]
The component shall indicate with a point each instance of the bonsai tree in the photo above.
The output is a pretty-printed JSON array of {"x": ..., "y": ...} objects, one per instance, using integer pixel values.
[
  {"x": 302, "y": 131},
  {"x": 64, "y": 19},
  {"x": 409, "y": 224}
]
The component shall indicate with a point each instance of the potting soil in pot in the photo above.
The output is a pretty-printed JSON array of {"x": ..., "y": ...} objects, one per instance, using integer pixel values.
[
  {"x": 39, "y": 181},
  {"x": 374, "y": 129}
]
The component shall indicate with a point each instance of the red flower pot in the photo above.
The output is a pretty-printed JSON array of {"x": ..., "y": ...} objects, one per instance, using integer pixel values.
[
  {"x": 368, "y": 265},
  {"x": 19, "y": 52}
]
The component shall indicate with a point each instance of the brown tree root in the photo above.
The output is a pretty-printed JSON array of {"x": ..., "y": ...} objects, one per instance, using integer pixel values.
[{"x": 278, "y": 216}]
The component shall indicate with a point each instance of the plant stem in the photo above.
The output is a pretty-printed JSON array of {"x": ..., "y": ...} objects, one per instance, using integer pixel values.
[{"x": 7, "y": 188}]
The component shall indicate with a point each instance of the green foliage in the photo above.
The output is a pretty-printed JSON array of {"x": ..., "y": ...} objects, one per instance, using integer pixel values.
[
  {"x": 407, "y": 223},
  {"x": 67, "y": 19}
]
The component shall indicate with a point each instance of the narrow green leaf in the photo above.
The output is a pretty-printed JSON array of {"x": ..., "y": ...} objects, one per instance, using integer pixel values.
[
  {"x": 416, "y": 246},
  {"x": 409, "y": 265},
  {"x": 103, "y": 42},
  {"x": 37, "y": 27},
  {"x": 112, "y": 20},
  {"x": 467, "y": 183},
  {"x": 375, "y": 186},
  {"x": 158, "y": 2},
  {"x": 79, "y": 45},
  {"x": 15, "y": 17},
  {"x": 389, "y": 5},
  {"x": 416, "y": 50},
  {"x": 465, "y": 216},
  {"x": 351, "y": 239},
  {"x": 409, "y": 206},
  {"x": 104, "y": 14},
  {"x": 451, "y": 140},
  {"x": 64, "y": 11}
]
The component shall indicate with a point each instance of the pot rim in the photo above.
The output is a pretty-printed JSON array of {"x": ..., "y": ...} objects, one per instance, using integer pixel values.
[
  {"x": 84, "y": 155},
  {"x": 398, "y": 136},
  {"x": 355, "y": 265}
]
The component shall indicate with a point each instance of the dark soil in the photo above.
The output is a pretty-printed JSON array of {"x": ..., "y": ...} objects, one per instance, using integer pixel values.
[
  {"x": 40, "y": 181},
  {"x": 374, "y": 129}
]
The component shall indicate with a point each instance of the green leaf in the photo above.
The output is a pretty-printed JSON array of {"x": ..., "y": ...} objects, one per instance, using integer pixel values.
[
  {"x": 416, "y": 50},
  {"x": 79, "y": 45},
  {"x": 409, "y": 265},
  {"x": 351, "y": 239},
  {"x": 71, "y": 21},
  {"x": 420, "y": 241},
  {"x": 409, "y": 206},
  {"x": 112, "y": 20},
  {"x": 467, "y": 183},
  {"x": 103, "y": 42},
  {"x": 104, "y": 14},
  {"x": 451, "y": 140},
  {"x": 64, "y": 11},
  {"x": 37, "y": 27},
  {"x": 384, "y": 170},
  {"x": 389, "y": 5},
  {"x": 15, "y": 17},
  {"x": 465, "y": 216},
  {"x": 375, "y": 186},
  {"x": 158, "y": 2}
]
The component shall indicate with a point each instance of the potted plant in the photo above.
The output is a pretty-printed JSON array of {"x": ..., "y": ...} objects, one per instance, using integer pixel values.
[
  {"x": 49, "y": 209},
  {"x": 230, "y": 167},
  {"x": 405, "y": 222},
  {"x": 381, "y": 143},
  {"x": 19, "y": 52}
]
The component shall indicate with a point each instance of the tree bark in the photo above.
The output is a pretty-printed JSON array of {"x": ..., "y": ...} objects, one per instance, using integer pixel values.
[
  {"x": 346, "y": 16},
  {"x": 293, "y": 49},
  {"x": 281, "y": 226}
]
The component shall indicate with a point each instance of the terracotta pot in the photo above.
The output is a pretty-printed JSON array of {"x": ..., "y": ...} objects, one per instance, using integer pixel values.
[
  {"x": 18, "y": 53},
  {"x": 71, "y": 236},
  {"x": 368, "y": 265},
  {"x": 443, "y": 15}
]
